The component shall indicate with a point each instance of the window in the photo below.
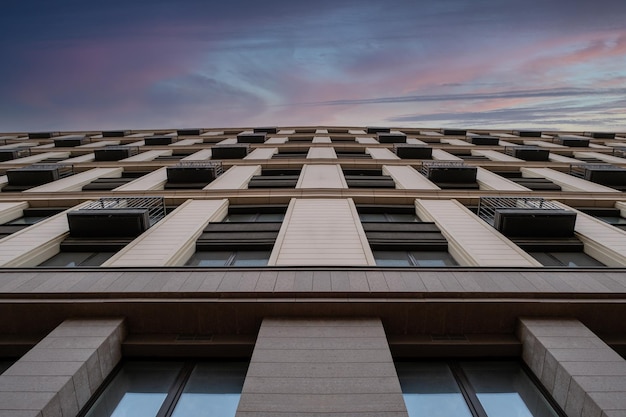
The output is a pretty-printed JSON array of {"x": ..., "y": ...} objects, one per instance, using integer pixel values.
[
  {"x": 568, "y": 259},
  {"x": 4, "y": 365},
  {"x": 171, "y": 389},
  {"x": 471, "y": 389},
  {"x": 229, "y": 258},
  {"x": 414, "y": 258},
  {"x": 74, "y": 259}
]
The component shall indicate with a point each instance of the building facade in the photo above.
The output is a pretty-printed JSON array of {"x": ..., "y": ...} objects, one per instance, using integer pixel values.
[{"x": 309, "y": 271}]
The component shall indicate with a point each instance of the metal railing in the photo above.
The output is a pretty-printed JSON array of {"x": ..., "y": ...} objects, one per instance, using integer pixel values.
[
  {"x": 427, "y": 166},
  {"x": 487, "y": 206},
  {"x": 154, "y": 205}
]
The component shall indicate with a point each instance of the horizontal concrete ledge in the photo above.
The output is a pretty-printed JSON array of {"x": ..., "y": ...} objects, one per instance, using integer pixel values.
[{"x": 275, "y": 283}]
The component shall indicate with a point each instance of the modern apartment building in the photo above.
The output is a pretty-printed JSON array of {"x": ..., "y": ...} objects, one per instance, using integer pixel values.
[{"x": 313, "y": 271}]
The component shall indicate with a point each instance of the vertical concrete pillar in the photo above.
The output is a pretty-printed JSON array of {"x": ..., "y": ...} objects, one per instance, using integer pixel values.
[
  {"x": 321, "y": 368},
  {"x": 582, "y": 373},
  {"x": 57, "y": 377}
]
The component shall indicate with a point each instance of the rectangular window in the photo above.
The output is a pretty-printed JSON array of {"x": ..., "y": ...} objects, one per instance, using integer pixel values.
[
  {"x": 471, "y": 389},
  {"x": 171, "y": 389},
  {"x": 74, "y": 259}
]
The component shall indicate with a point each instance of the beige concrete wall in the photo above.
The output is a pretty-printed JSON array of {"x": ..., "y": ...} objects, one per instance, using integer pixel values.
[
  {"x": 487, "y": 180},
  {"x": 59, "y": 375},
  {"x": 276, "y": 140},
  {"x": 153, "y": 181},
  {"x": 495, "y": 155},
  {"x": 602, "y": 241},
  {"x": 381, "y": 153},
  {"x": 148, "y": 155},
  {"x": 12, "y": 210},
  {"x": 322, "y": 153},
  {"x": 82, "y": 158},
  {"x": 202, "y": 155},
  {"x": 36, "y": 158},
  {"x": 321, "y": 367},
  {"x": 407, "y": 177},
  {"x": 415, "y": 141},
  {"x": 321, "y": 232},
  {"x": 4, "y": 180},
  {"x": 186, "y": 142},
  {"x": 34, "y": 244},
  {"x": 601, "y": 156},
  {"x": 471, "y": 241},
  {"x": 321, "y": 176},
  {"x": 456, "y": 142},
  {"x": 322, "y": 139},
  {"x": 566, "y": 181},
  {"x": 262, "y": 153},
  {"x": 229, "y": 141},
  {"x": 441, "y": 155},
  {"x": 180, "y": 229},
  {"x": 77, "y": 181},
  {"x": 560, "y": 158},
  {"x": 366, "y": 141},
  {"x": 99, "y": 144},
  {"x": 235, "y": 178},
  {"x": 582, "y": 373},
  {"x": 544, "y": 144}
]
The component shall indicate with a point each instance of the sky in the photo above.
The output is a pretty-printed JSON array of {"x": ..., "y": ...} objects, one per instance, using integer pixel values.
[{"x": 124, "y": 64}]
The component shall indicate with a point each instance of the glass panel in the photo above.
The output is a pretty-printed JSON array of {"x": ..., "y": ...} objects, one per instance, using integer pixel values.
[
  {"x": 243, "y": 217},
  {"x": 391, "y": 258},
  {"x": 213, "y": 390},
  {"x": 429, "y": 389},
  {"x": 138, "y": 390},
  {"x": 270, "y": 217},
  {"x": 373, "y": 217},
  {"x": 28, "y": 220},
  {"x": 251, "y": 258},
  {"x": 568, "y": 259},
  {"x": 73, "y": 259},
  {"x": 504, "y": 390},
  {"x": 432, "y": 258},
  {"x": 612, "y": 219},
  {"x": 401, "y": 218},
  {"x": 209, "y": 259}
]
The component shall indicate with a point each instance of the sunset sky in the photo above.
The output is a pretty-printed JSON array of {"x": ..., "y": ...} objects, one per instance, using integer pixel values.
[{"x": 548, "y": 64}]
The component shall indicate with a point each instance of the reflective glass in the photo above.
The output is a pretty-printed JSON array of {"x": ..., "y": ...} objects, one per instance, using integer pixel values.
[
  {"x": 209, "y": 258},
  {"x": 392, "y": 258},
  {"x": 251, "y": 258},
  {"x": 432, "y": 258},
  {"x": 213, "y": 389},
  {"x": 138, "y": 390},
  {"x": 429, "y": 389},
  {"x": 28, "y": 220},
  {"x": 504, "y": 390},
  {"x": 73, "y": 259},
  {"x": 568, "y": 259}
]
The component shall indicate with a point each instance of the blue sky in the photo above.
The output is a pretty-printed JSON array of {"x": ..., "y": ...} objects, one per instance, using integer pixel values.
[{"x": 484, "y": 63}]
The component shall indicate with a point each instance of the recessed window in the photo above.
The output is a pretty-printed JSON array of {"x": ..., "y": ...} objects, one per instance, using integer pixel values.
[
  {"x": 172, "y": 389},
  {"x": 568, "y": 259},
  {"x": 470, "y": 389},
  {"x": 74, "y": 259},
  {"x": 229, "y": 258},
  {"x": 414, "y": 258}
]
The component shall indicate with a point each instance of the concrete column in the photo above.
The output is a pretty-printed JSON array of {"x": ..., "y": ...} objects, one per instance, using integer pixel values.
[
  {"x": 321, "y": 231},
  {"x": 407, "y": 178},
  {"x": 12, "y": 211},
  {"x": 180, "y": 229},
  {"x": 236, "y": 178},
  {"x": 321, "y": 153},
  {"x": 582, "y": 373},
  {"x": 321, "y": 368},
  {"x": 487, "y": 180},
  {"x": 471, "y": 241},
  {"x": 202, "y": 155},
  {"x": 321, "y": 176},
  {"x": 36, "y": 243},
  {"x": 153, "y": 181},
  {"x": 57, "y": 377},
  {"x": 262, "y": 153},
  {"x": 77, "y": 181},
  {"x": 381, "y": 153}
]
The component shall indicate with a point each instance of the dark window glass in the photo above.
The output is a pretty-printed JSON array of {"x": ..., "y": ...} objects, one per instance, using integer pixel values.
[
  {"x": 414, "y": 258},
  {"x": 478, "y": 389},
  {"x": 568, "y": 259},
  {"x": 388, "y": 217},
  {"x": 4, "y": 365},
  {"x": 229, "y": 258},
  {"x": 254, "y": 217},
  {"x": 73, "y": 259},
  {"x": 27, "y": 220},
  {"x": 148, "y": 389}
]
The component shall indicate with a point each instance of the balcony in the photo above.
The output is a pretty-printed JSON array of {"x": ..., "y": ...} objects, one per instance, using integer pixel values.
[
  {"x": 484, "y": 140},
  {"x": 528, "y": 153},
  {"x": 116, "y": 217},
  {"x": 395, "y": 137},
  {"x": 159, "y": 140},
  {"x": 411, "y": 151},
  {"x": 450, "y": 174},
  {"x": 235, "y": 151},
  {"x": 604, "y": 174},
  {"x": 15, "y": 153},
  {"x": 571, "y": 141},
  {"x": 20, "y": 179},
  {"x": 258, "y": 137},
  {"x": 519, "y": 217},
  {"x": 70, "y": 141},
  {"x": 193, "y": 174},
  {"x": 115, "y": 153}
]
